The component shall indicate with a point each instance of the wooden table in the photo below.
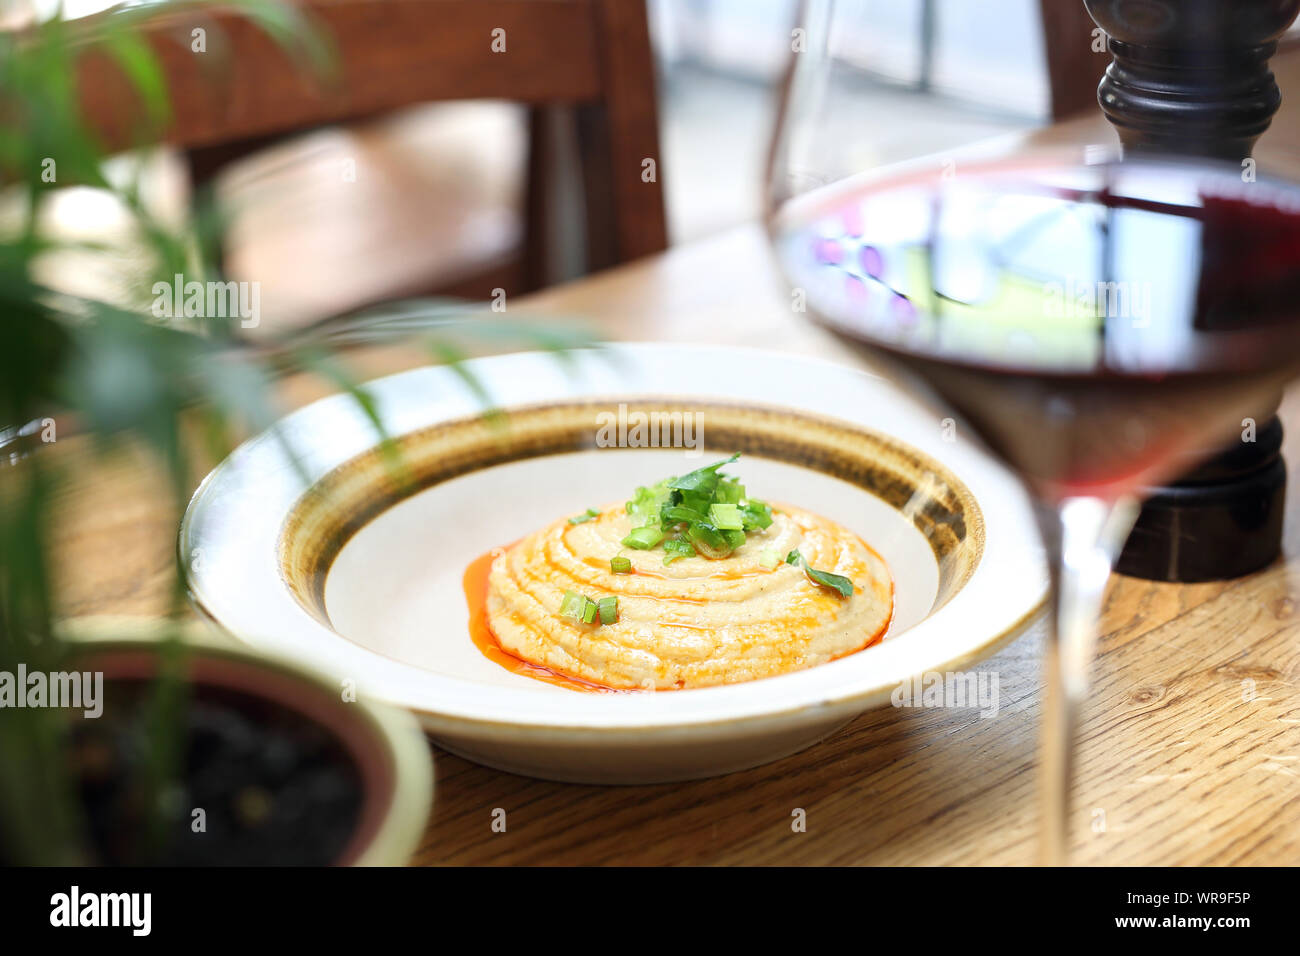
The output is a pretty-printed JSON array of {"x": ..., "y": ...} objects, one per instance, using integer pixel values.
[{"x": 1190, "y": 745}]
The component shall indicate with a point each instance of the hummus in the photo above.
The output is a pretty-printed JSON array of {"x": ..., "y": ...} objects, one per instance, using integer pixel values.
[{"x": 695, "y": 622}]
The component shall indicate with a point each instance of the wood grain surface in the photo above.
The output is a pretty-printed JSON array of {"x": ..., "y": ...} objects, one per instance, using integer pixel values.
[{"x": 1190, "y": 745}]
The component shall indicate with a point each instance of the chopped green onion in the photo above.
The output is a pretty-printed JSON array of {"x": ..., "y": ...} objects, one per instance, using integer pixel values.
[
  {"x": 727, "y": 517},
  {"x": 695, "y": 500},
  {"x": 620, "y": 565},
  {"x": 643, "y": 539},
  {"x": 676, "y": 548},
  {"x": 572, "y": 605},
  {"x": 579, "y": 607},
  {"x": 702, "y": 512},
  {"x": 708, "y": 540},
  {"x": 672, "y": 514},
  {"x": 585, "y": 516},
  {"x": 794, "y": 557},
  {"x": 608, "y": 607},
  {"x": 757, "y": 515},
  {"x": 646, "y": 503},
  {"x": 730, "y": 491},
  {"x": 769, "y": 558}
]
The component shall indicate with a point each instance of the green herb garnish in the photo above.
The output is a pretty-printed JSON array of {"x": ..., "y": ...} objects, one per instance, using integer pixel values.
[
  {"x": 836, "y": 582},
  {"x": 703, "y": 512},
  {"x": 708, "y": 540},
  {"x": 585, "y": 516},
  {"x": 730, "y": 491},
  {"x": 756, "y": 514},
  {"x": 620, "y": 565},
  {"x": 727, "y": 517},
  {"x": 643, "y": 538},
  {"x": 571, "y": 605},
  {"x": 579, "y": 607},
  {"x": 676, "y": 548},
  {"x": 608, "y": 608},
  {"x": 647, "y": 502},
  {"x": 701, "y": 481}
]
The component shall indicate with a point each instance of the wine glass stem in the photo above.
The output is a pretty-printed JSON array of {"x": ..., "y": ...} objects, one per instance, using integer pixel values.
[{"x": 1082, "y": 536}]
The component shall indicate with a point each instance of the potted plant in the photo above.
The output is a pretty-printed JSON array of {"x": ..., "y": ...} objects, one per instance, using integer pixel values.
[
  {"x": 262, "y": 761},
  {"x": 182, "y": 750}
]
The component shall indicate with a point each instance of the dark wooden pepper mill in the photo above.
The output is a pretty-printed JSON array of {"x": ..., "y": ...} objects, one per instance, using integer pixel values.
[{"x": 1191, "y": 77}]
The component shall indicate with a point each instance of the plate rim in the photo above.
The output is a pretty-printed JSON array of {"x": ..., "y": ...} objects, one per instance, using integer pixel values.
[{"x": 786, "y": 702}]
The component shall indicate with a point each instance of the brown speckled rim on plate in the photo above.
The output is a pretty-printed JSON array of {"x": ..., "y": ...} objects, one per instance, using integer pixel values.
[
  {"x": 253, "y": 503},
  {"x": 345, "y": 499}
]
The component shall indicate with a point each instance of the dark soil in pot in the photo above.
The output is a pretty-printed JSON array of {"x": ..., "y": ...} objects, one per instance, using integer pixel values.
[
  {"x": 258, "y": 783},
  {"x": 269, "y": 768}
]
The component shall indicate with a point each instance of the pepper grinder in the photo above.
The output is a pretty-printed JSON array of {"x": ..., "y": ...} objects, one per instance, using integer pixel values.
[{"x": 1191, "y": 77}]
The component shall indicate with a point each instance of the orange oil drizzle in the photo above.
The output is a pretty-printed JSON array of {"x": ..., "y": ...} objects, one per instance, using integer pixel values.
[
  {"x": 602, "y": 564},
  {"x": 480, "y": 632}
]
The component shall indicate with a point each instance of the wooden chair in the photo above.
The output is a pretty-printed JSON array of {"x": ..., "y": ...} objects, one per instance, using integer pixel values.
[
  {"x": 1074, "y": 67},
  {"x": 592, "y": 55}
]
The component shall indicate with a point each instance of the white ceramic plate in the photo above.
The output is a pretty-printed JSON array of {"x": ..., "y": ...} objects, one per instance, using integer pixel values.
[{"x": 361, "y": 575}]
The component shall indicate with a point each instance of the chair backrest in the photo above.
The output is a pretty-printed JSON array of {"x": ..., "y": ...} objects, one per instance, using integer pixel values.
[
  {"x": 244, "y": 90},
  {"x": 1074, "y": 66}
]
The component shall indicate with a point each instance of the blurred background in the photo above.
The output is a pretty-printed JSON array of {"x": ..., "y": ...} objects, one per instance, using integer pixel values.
[{"x": 438, "y": 197}]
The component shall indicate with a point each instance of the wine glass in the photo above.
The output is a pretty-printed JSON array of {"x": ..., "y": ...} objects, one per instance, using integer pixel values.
[{"x": 1102, "y": 325}]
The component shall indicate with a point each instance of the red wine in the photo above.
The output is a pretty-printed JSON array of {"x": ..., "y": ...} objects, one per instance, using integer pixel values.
[{"x": 1101, "y": 326}]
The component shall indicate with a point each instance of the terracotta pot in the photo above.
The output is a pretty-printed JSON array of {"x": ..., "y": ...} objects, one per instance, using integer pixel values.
[{"x": 384, "y": 745}]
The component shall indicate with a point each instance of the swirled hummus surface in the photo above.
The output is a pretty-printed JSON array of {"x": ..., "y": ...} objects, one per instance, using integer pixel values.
[{"x": 695, "y": 622}]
